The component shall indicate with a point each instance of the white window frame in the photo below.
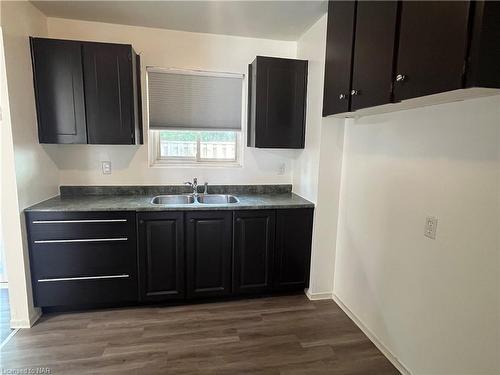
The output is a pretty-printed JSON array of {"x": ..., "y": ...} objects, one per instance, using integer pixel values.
[
  {"x": 158, "y": 160},
  {"x": 155, "y": 158}
]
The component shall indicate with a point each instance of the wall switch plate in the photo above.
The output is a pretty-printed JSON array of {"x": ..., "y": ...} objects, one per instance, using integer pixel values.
[
  {"x": 106, "y": 167},
  {"x": 282, "y": 169},
  {"x": 430, "y": 227}
]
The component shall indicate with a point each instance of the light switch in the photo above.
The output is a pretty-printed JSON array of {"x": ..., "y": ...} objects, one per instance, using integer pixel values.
[{"x": 106, "y": 167}]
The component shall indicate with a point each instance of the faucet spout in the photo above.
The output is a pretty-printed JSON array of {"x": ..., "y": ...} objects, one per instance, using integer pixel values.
[{"x": 194, "y": 185}]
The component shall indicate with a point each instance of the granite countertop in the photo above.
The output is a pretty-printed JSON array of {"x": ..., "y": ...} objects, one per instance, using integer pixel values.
[{"x": 142, "y": 202}]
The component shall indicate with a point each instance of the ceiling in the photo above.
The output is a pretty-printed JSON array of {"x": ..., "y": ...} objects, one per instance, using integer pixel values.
[{"x": 282, "y": 20}]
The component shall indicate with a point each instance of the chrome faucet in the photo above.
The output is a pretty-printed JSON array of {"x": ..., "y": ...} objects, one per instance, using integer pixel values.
[
  {"x": 194, "y": 185},
  {"x": 205, "y": 191}
]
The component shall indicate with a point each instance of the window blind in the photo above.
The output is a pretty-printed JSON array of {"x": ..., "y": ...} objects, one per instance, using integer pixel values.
[{"x": 194, "y": 101}]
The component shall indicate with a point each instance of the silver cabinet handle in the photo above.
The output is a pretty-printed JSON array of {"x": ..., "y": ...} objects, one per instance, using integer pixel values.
[
  {"x": 355, "y": 92},
  {"x": 400, "y": 78},
  {"x": 79, "y": 221},
  {"x": 123, "y": 276},
  {"x": 342, "y": 96},
  {"x": 83, "y": 240}
]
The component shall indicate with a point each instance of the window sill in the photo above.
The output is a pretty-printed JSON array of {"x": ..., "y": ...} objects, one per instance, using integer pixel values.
[{"x": 184, "y": 164}]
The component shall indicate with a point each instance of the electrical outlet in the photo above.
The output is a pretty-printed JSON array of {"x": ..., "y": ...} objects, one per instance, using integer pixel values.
[
  {"x": 106, "y": 167},
  {"x": 430, "y": 227}
]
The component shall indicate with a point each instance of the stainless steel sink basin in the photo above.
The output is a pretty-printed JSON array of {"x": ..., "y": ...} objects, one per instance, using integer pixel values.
[
  {"x": 173, "y": 199},
  {"x": 217, "y": 199}
]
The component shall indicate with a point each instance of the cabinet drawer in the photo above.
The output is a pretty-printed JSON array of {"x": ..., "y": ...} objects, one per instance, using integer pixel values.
[
  {"x": 90, "y": 290},
  {"x": 79, "y": 258},
  {"x": 71, "y": 226},
  {"x": 50, "y": 260}
]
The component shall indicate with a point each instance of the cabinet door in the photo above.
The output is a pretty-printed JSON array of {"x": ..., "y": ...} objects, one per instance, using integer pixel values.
[
  {"x": 280, "y": 102},
  {"x": 208, "y": 253},
  {"x": 373, "y": 53},
  {"x": 293, "y": 248},
  {"x": 58, "y": 80},
  {"x": 484, "y": 52},
  {"x": 253, "y": 250},
  {"x": 339, "y": 50},
  {"x": 432, "y": 48},
  {"x": 109, "y": 93},
  {"x": 161, "y": 255}
]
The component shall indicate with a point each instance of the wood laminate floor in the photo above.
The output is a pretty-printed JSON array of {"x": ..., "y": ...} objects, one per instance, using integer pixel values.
[
  {"x": 275, "y": 335},
  {"x": 4, "y": 314}
]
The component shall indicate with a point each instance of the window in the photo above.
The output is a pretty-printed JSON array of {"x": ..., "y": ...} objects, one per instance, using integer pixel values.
[
  {"x": 194, "y": 117},
  {"x": 187, "y": 146}
]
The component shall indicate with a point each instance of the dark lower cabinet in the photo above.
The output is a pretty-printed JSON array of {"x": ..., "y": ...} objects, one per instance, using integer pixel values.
[
  {"x": 161, "y": 255},
  {"x": 293, "y": 248},
  {"x": 82, "y": 258},
  {"x": 253, "y": 251},
  {"x": 106, "y": 258},
  {"x": 208, "y": 253}
]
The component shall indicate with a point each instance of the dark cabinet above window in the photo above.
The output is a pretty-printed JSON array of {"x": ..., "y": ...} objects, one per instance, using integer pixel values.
[
  {"x": 277, "y": 102},
  {"x": 86, "y": 92},
  {"x": 383, "y": 52}
]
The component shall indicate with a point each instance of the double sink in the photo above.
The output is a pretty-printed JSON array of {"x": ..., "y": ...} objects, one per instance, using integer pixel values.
[{"x": 191, "y": 199}]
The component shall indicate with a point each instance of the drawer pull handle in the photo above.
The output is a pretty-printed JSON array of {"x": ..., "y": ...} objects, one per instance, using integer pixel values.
[
  {"x": 83, "y": 240},
  {"x": 124, "y": 276},
  {"x": 79, "y": 221}
]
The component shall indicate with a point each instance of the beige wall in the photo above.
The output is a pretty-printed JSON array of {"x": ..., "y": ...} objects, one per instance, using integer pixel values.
[
  {"x": 164, "y": 48},
  {"x": 30, "y": 174},
  {"x": 435, "y": 304}
]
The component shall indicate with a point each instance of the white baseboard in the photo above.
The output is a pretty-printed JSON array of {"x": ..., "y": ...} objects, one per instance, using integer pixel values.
[
  {"x": 24, "y": 323},
  {"x": 391, "y": 357},
  {"x": 318, "y": 296}
]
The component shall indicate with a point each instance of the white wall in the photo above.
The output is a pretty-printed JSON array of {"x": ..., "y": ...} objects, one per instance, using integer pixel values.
[
  {"x": 28, "y": 173},
  {"x": 311, "y": 47},
  {"x": 435, "y": 304},
  {"x": 317, "y": 169},
  {"x": 165, "y": 48}
]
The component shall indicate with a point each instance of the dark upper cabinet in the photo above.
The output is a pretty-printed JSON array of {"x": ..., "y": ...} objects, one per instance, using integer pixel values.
[
  {"x": 372, "y": 68},
  {"x": 161, "y": 255},
  {"x": 277, "y": 102},
  {"x": 483, "y": 64},
  {"x": 359, "y": 55},
  {"x": 109, "y": 93},
  {"x": 253, "y": 251},
  {"x": 58, "y": 81},
  {"x": 338, "y": 62},
  {"x": 380, "y": 52},
  {"x": 86, "y": 92},
  {"x": 293, "y": 248},
  {"x": 432, "y": 47},
  {"x": 208, "y": 253}
]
